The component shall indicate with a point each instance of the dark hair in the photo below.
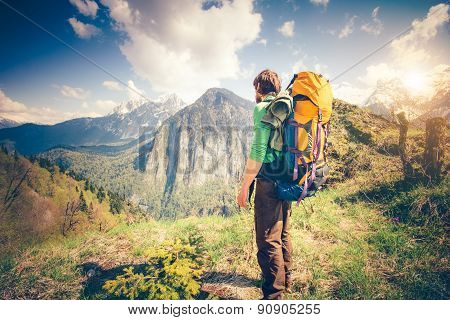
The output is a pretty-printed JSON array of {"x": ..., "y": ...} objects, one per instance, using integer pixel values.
[{"x": 268, "y": 81}]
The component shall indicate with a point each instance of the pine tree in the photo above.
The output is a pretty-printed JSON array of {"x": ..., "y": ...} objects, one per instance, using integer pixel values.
[
  {"x": 173, "y": 271},
  {"x": 91, "y": 213},
  {"x": 115, "y": 203},
  {"x": 101, "y": 194},
  {"x": 83, "y": 204}
]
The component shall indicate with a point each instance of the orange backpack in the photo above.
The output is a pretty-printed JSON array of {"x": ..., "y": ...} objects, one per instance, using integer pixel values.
[{"x": 305, "y": 135}]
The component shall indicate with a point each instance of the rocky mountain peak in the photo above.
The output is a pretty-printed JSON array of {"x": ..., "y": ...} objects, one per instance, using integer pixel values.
[
  {"x": 8, "y": 123},
  {"x": 189, "y": 145},
  {"x": 170, "y": 99},
  {"x": 214, "y": 97},
  {"x": 170, "y": 102},
  {"x": 392, "y": 96},
  {"x": 128, "y": 106}
]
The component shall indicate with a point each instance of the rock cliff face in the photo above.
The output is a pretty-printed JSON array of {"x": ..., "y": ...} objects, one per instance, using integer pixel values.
[{"x": 208, "y": 140}]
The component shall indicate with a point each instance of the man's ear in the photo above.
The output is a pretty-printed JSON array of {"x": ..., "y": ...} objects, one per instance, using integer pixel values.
[{"x": 257, "y": 88}]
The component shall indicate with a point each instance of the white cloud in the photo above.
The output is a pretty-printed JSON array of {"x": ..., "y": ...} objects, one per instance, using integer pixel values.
[
  {"x": 350, "y": 93},
  {"x": 366, "y": 84},
  {"x": 326, "y": 31},
  {"x": 376, "y": 26},
  {"x": 134, "y": 93},
  {"x": 7, "y": 105},
  {"x": 410, "y": 48},
  {"x": 248, "y": 72},
  {"x": 321, "y": 69},
  {"x": 86, "y": 7},
  {"x": 287, "y": 29},
  {"x": 71, "y": 92},
  {"x": 299, "y": 66},
  {"x": 376, "y": 72},
  {"x": 167, "y": 45},
  {"x": 105, "y": 104},
  {"x": 285, "y": 78},
  {"x": 19, "y": 112},
  {"x": 409, "y": 53},
  {"x": 84, "y": 30},
  {"x": 320, "y": 2},
  {"x": 263, "y": 42},
  {"x": 408, "y": 58},
  {"x": 112, "y": 85},
  {"x": 348, "y": 28}
]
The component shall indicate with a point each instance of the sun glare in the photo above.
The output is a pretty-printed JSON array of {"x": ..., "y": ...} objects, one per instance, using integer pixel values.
[{"x": 416, "y": 82}]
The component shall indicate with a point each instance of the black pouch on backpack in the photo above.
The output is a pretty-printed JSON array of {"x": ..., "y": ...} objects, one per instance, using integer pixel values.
[{"x": 291, "y": 191}]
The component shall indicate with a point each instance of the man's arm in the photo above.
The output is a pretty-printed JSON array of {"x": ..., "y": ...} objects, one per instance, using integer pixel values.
[
  {"x": 252, "y": 168},
  {"x": 254, "y": 162}
]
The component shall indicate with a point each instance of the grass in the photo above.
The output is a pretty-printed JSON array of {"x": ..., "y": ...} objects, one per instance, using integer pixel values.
[{"x": 344, "y": 249}]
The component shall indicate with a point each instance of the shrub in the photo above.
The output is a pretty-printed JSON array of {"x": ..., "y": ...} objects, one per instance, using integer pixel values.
[{"x": 173, "y": 272}]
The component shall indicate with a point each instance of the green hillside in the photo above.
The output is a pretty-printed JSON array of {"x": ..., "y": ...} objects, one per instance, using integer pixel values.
[
  {"x": 38, "y": 204},
  {"x": 371, "y": 234}
]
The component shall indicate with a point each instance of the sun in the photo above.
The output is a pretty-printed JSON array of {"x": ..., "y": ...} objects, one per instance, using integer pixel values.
[{"x": 416, "y": 82}]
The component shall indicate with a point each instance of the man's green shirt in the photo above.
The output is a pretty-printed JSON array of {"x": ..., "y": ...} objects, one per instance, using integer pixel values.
[{"x": 260, "y": 150}]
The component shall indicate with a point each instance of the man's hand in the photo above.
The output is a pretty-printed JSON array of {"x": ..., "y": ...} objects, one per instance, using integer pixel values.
[
  {"x": 242, "y": 197},
  {"x": 252, "y": 168}
]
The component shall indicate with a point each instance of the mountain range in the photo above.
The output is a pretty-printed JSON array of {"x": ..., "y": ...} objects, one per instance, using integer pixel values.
[
  {"x": 126, "y": 122},
  {"x": 7, "y": 123},
  {"x": 200, "y": 149},
  {"x": 191, "y": 164},
  {"x": 392, "y": 96}
]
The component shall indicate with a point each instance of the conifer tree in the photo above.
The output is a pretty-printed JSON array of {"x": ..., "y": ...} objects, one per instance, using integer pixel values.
[{"x": 83, "y": 204}]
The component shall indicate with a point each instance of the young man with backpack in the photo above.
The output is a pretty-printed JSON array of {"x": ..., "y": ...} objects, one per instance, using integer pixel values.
[
  {"x": 271, "y": 214},
  {"x": 288, "y": 160}
]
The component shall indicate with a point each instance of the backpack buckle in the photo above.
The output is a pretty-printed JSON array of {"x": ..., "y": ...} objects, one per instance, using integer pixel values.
[{"x": 320, "y": 116}]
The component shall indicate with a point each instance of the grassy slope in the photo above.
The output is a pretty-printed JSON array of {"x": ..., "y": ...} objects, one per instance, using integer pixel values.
[
  {"x": 37, "y": 213},
  {"x": 347, "y": 241},
  {"x": 343, "y": 250}
]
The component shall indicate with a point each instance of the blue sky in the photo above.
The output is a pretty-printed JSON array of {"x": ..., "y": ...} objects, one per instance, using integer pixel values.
[{"x": 187, "y": 46}]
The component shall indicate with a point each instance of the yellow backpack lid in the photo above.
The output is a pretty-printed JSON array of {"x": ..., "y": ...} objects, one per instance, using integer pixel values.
[{"x": 318, "y": 90}]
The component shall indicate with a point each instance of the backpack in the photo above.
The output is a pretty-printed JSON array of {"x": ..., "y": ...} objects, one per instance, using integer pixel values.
[{"x": 305, "y": 137}]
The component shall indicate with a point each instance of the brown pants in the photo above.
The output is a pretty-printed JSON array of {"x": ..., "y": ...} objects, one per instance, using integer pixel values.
[{"x": 272, "y": 239}]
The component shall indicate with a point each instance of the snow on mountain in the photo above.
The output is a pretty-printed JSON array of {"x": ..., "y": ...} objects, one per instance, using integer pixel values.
[
  {"x": 7, "y": 123},
  {"x": 131, "y": 118},
  {"x": 392, "y": 96},
  {"x": 169, "y": 102},
  {"x": 128, "y": 121},
  {"x": 128, "y": 106}
]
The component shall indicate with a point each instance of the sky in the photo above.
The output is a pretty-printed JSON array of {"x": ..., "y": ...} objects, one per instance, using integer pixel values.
[{"x": 116, "y": 50}]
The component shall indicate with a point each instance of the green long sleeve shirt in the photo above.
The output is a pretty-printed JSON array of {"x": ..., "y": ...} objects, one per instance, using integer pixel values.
[{"x": 260, "y": 150}]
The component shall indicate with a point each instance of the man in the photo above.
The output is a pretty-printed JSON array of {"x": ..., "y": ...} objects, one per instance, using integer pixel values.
[{"x": 271, "y": 214}]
